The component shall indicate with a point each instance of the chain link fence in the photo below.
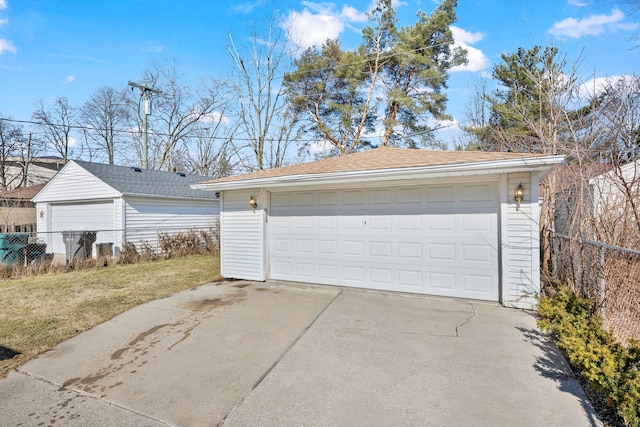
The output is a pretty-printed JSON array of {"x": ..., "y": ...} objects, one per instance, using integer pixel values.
[
  {"x": 64, "y": 247},
  {"x": 607, "y": 274}
]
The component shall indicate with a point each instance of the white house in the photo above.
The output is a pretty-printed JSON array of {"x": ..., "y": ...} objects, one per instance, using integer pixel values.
[
  {"x": 122, "y": 204},
  {"x": 616, "y": 188},
  {"x": 38, "y": 170},
  {"x": 430, "y": 222}
]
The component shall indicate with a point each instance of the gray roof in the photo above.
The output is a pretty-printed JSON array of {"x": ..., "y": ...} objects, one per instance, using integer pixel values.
[{"x": 147, "y": 182}]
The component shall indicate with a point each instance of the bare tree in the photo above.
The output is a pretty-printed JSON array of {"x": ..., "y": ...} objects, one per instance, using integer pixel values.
[
  {"x": 268, "y": 124},
  {"x": 104, "y": 116},
  {"x": 207, "y": 151},
  {"x": 536, "y": 110},
  {"x": 616, "y": 119},
  {"x": 10, "y": 139},
  {"x": 176, "y": 111},
  {"x": 56, "y": 124}
]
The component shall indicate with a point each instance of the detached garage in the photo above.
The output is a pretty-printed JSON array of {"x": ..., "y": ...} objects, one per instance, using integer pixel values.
[
  {"x": 430, "y": 222},
  {"x": 122, "y": 204}
]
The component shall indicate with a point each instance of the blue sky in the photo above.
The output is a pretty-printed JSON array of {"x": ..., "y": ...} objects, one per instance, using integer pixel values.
[{"x": 71, "y": 48}]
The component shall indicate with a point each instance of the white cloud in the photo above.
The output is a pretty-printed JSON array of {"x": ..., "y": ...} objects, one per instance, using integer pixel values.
[
  {"x": 318, "y": 22},
  {"x": 214, "y": 117},
  {"x": 69, "y": 79},
  {"x": 4, "y": 21},
  {"x": 3, "y": 4},
  {"x": 592, "y": 25},
  {"x": 72, "y": 142},
  {"x": 247, "y": 7},
  {"x": 477, "y": 59},
  {"x": 153, "y": 48},
  {"x": 351, "y": 14},
  {"x": 7, "y": 46},
  {"x": 580, "y": 3},
  {"x": 320, "y": 148},
  {"x": 595, "y": 87}
]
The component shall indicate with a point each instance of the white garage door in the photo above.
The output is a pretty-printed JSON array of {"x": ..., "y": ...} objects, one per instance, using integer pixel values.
[
  {"x": 438, "y": 239},
  {"x": 95, "y": 216}
]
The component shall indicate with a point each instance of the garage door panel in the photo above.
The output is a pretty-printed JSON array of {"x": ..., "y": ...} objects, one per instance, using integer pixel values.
[
  {"x": 352, "y": 248},
  {"x": 281, "y": 268},
  {"x": 380, "y": 249},
  {"x": 476, "y": 283},
  {"x": 412, "y": 195},
  {"x": 476, "y": 253},
  {"x": 439, "y": 240},
  {"x": 353, "y": 198},
  {"x": 381, "y": 276},
  {"x": 442, "y": 252},
  {"x": 328, "y": 247},
  {"x": 380, "y": 197},
  {"x": 440, "y": 194},
  {"x": 476, "y": 193},
  {"x": 410, "y": 251},
  {"x": 281, "y": 245},
  {"x": 304, "y": 270},
  {"x": 353, "y": 275},
  {"x": 441, "y": 222},
  {"x": 327, "y": 223},
  {"x": 410, "y": 278},
  {"x": 327, "y": 198},
  {"x": 444, "y": 281},
  {"x": 478, "y": 222},
  {"x": 410, "y": 222},
  {"x": 382, "y": 223}
]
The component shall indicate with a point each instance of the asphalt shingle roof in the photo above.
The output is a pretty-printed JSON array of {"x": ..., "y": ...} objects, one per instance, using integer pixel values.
[
  {"x": 379, "y": 159},
  {"x": 22, "y": 193},
  {"x": 147, "y": 182}
]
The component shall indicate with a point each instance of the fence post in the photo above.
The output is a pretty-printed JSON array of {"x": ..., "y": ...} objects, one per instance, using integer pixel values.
[{"x": 602, "y": 283}]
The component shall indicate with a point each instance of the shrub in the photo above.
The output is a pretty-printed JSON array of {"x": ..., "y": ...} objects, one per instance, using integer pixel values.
[
  {"x": 607, "y": 366},
  {"x": 128, "y": 254},
  {"x": 188, "y": 243}
]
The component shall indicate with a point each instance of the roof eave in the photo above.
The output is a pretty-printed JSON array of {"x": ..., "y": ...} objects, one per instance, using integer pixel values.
[
  {"x": 157, "y": 196},
  {"x": 526, "y": 164}
]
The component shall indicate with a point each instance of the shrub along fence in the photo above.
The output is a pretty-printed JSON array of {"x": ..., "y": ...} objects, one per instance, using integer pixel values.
[
  {"x": 73, "y": 246},
  {"x": 606, "y": 274}
]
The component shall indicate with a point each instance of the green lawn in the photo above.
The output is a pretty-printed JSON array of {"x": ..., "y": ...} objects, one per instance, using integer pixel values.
[{"x": 36, "y": 313}]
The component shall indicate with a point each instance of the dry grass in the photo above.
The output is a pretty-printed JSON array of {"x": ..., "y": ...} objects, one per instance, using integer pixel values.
[{"x": 38, "y": 312}]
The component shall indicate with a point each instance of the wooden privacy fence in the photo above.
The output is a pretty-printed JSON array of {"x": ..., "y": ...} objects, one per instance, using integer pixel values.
[{"x": 607, "y": 274}]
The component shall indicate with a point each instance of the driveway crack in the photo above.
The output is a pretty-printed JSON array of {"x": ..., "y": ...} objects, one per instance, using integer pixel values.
[
  {"x": 274, "y": 364},
  {"x": 475, "y": 313}
]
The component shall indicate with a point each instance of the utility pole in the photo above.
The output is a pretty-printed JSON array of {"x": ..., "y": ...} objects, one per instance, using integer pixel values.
[
  {"x": 27, "y": 160},
  {"x": 146, "y": 93}
]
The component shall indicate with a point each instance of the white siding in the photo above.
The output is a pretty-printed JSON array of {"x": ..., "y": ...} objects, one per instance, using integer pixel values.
[
  {"x": 521, "y": 283},
  {"x": 90, "y": 216},
  {"x": 42, "y": 215},
  {"x": 74, "y": 183},
  {"x": 145, "y": 218},
  {"x": 243, "y": 236}
]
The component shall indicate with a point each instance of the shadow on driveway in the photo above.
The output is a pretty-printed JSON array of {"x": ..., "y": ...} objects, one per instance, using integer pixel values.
[
  {"x": 552, "y": 365},
  {"x": 274, "y": 354}
]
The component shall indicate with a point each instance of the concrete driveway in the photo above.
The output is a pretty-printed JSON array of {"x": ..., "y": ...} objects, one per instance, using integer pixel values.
[{"x": 273, "y": 354}]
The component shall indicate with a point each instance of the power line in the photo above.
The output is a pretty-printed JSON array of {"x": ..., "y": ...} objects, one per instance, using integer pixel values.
[{"x": 213, "y": 137}]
